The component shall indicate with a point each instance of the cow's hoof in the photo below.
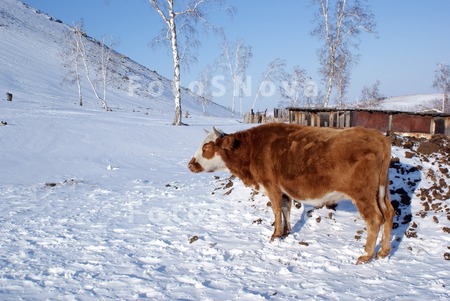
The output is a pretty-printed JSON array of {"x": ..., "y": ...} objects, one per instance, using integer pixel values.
[
  {"x": 275, "y": 236},
  {"x": 364, "y": 259},
  {"x": 383, "y": 253}
]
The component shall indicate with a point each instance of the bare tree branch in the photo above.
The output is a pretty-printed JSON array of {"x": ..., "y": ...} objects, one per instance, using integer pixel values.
[
  {"x": 181, "y": 22},
  {"x": 442, "y": 83},
  {"x": 292, "y": 88},
  {"x": 371, "y": 97},
  {"x": 273, "y": 72},
  {"x": 339, "y": 26},
  {"x": 235, "y": 59}
]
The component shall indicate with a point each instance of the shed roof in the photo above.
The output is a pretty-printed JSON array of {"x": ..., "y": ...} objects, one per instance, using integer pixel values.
[{"x": 391, "y": 112}]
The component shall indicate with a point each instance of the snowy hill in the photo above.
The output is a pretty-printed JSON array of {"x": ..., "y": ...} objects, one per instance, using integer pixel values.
[
  {"x": 411, "y": 103},
  {"x": 98, "y": 205},
  {"x": 32, "y": 44}
]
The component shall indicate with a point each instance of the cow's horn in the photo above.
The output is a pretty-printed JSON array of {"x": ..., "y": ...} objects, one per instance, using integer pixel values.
[{"x": 218, "y": 132}]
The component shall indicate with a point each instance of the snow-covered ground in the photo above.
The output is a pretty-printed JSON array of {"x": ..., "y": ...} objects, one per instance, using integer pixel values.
[{"x": 98, "y": 205}]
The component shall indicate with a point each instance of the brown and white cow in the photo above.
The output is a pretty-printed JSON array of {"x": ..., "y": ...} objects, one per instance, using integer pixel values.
[{"x": 313, "y": 165}]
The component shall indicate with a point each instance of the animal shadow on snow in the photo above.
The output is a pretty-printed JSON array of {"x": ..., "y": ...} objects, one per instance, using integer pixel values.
[{"x": 404, "y": 180}]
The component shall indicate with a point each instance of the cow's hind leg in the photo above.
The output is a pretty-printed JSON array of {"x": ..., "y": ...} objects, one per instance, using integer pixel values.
[
  {"x": 371, "y": 214},
  {"x": 286, "y": 209},
  {"x": 388, "y": 214}
]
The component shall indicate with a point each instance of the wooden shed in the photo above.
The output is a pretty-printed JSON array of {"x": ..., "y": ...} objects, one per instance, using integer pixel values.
[{"x": 397, "y": 121}]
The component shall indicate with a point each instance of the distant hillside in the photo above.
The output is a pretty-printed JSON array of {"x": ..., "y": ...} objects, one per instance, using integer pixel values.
[
  {"x": 31, "y": 60},
  {"x": 412, "y": 103}
]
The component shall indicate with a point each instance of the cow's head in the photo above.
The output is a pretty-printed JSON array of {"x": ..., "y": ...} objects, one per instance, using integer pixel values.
[{"x": 207, "y": 158}]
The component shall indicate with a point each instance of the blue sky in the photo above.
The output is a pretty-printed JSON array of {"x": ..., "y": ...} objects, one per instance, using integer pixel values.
[{"x": 412, "y": 39}]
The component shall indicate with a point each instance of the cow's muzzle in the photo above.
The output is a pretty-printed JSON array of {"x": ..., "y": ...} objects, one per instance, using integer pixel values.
[{"x": 194, "y": 166}]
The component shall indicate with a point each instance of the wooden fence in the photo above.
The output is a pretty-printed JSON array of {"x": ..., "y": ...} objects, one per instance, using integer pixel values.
[
  {"x": 280, "y": 115},
  {"x": 396, "y": 121}
]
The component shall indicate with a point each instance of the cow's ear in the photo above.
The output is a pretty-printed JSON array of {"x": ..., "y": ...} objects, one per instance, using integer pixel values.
[{"x": 228, "y": 142}]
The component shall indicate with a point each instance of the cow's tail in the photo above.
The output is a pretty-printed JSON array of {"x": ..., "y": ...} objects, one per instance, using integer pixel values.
[{"x": 384, "y": 202}]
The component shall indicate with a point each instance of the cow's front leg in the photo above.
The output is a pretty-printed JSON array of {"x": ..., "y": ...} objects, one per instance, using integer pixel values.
[
  {"x": 277, "y": 204},
  {"x": 286, "y": 209}
]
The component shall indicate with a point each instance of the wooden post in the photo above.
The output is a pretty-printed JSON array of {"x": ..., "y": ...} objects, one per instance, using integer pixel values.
[
  {"x": 432, "y": 126},
  {"x": 390, "y": 123},
  {"x": 447, "y": 126},
  {"x": 291, "y": 116},
  {"x": 313, "y": 119},
  {"x": 347, "y": 120},
  {"x": 331, "y": 119},
  {"x": 9, "y": 96}
]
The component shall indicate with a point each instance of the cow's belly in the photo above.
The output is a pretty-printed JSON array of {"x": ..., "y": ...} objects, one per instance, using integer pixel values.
[{"x": 330, "y": 197}]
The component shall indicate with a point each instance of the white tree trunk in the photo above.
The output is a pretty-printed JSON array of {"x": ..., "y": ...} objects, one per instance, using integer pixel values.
[
  {"x": 333, "y": 42},
  {"x": 78, "y": 83},
  {"x": 83, "y": 55},
  {"x": 77, "y": 71},
  {"x": 170, "y": 21},
  {"x": 241, "y": 98},
  {"x": 444, "y": 102},
  {"x": 204, "y": 105},
  {"x": 232, "y": 75},
  {"x": 233, "y": 101},
  {"x": 329, "y": 87},
  {"x": 104, "y": 66},
  {"x": 265, "y": 78},
  {"x": 176, "y": 66}
]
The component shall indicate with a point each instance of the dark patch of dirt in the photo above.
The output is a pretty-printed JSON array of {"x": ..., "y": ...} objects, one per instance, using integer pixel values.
[
  {"x": 193, "y": 239},
  {"x": 63, "y": 183},
  {"x": 428, "y": 148}
]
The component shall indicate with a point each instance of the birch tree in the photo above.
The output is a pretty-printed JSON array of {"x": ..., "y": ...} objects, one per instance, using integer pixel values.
[
  {"x": 371, "y": 97},
  {"x": 181, "y": 19},
  {"x": 105, "y": 59},
  {"x": 86, "y": 55},
  {"x": 344, "y": 63},
  {"x": 341, "y": 80},
  {"x": 71, "y": 61},
  {"x": 339, "y": 24},
  {"x": 292, "y": 88},
  {"x": 235, "y": 59},
  {"x": 442, "y": 83},
  {"x": 206, "y": 86},
  {"x": 273, "y": 73}
]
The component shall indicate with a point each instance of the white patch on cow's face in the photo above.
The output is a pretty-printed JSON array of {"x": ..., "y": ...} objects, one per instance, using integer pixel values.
[
  {"x": 214, "y": 164},
  {"x": 210, "y": 164}
]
